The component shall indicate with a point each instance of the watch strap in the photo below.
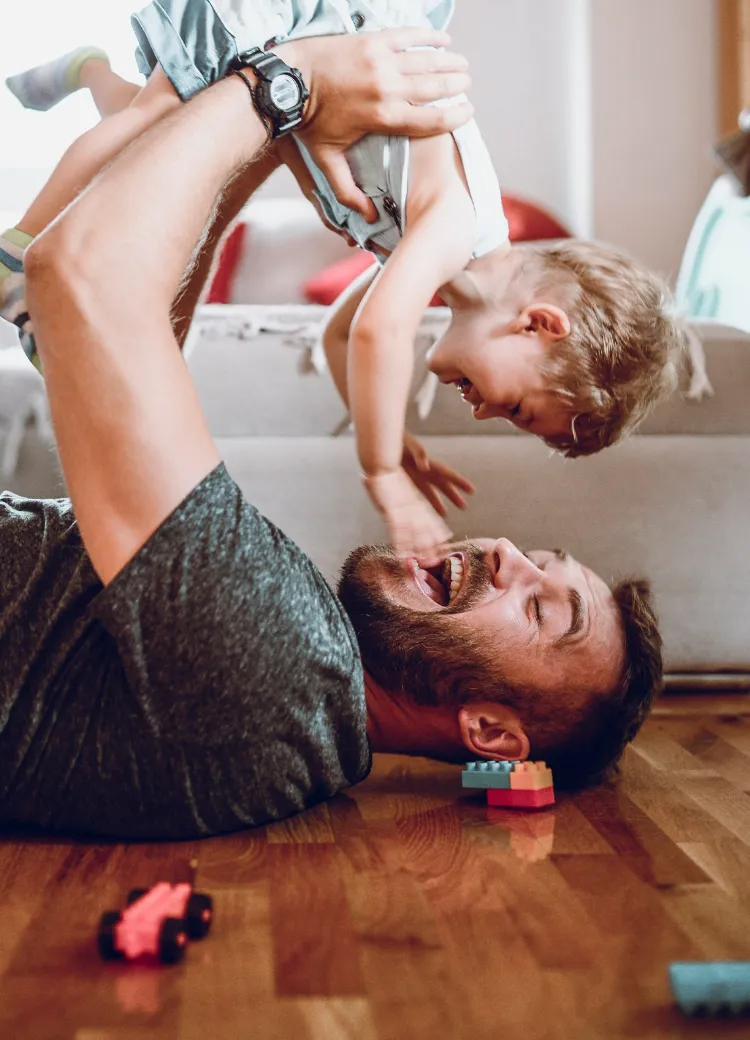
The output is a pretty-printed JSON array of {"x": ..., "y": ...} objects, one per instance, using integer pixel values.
[{"x": 261, "y": 114}]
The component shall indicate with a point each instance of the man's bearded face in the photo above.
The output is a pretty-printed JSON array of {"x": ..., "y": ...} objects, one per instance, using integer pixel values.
[
  {"x": 413, "y": 651},
  {"x": 485, "y": 620}
]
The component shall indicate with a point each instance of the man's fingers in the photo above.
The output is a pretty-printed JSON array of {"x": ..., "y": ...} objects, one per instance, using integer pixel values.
[
  {"x": 403, "y": 39},
  {"x": 335, "y": 167},
  {"x": 417, "y": 63},
  {"x": 418, "y": 121},
  {"x": 423, "y": 89}
]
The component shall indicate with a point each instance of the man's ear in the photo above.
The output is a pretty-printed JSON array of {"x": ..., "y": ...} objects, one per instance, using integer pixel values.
[
  {"x": 491, "y": 730},
  {"x": 546, "y": 318}
]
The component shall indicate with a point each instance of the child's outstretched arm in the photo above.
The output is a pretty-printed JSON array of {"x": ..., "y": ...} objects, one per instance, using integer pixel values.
[{"x": 435, "y": 247}]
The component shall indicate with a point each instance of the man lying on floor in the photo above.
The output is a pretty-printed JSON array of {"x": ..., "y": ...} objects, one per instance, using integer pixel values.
[{"x": 173, "y": 666}]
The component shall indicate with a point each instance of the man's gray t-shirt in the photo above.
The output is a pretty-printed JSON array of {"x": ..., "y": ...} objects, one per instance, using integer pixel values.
[{"x": 214, "y": 684}]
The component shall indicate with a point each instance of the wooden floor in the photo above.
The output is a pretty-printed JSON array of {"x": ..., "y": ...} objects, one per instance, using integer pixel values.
[{"x": 406, "y": 910}]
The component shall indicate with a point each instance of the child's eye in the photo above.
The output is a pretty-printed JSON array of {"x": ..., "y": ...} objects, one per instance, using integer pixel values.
[{"x": 515, "y": 411}]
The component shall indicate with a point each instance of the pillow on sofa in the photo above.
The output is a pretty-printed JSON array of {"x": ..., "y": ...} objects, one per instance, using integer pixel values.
[
  {"x": 284, "y": 244},
  {"x": 328, "y": 284},
  {"x": 527, "y": 222}
]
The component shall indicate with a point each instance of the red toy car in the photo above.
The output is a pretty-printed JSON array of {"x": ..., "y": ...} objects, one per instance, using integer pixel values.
[{"x": 157, "y": 922}]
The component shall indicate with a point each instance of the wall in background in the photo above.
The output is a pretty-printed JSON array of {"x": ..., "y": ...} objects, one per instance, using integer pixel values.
[
  {"x": 655, "y": 119},
  {"x": 604, "y": 110}
]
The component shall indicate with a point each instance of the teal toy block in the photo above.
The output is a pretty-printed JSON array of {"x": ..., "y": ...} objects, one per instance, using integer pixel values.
[
  {"x": 487, "y": 775},
  {"x": 711, "y": 988}
]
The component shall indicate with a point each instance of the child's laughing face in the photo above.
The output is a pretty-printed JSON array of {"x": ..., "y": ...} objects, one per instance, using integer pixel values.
[{"x": 502, "y": 377}]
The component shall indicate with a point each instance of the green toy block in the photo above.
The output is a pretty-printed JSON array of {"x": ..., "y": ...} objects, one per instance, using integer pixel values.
[
  {"x": 711, "y": 988},
  {"x": 487, "y": 775}
]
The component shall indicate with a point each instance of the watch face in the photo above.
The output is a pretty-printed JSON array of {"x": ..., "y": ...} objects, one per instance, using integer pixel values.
[{"x": 285, "y": 92}]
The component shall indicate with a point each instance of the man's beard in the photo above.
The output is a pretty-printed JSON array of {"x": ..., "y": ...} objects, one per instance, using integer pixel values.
[{"x": 414, "y": 652}]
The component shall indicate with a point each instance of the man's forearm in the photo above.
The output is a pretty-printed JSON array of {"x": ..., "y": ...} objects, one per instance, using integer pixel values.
[{"x": 230, "y": 205}]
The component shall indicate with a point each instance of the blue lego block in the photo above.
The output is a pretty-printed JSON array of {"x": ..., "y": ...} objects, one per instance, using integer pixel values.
[
  {"x": 485, "y": 774},
  {"x": 712, "y": 988}
]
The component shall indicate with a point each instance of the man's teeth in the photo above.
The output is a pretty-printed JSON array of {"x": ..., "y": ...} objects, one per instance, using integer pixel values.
[{"x": 456, "y": 572}]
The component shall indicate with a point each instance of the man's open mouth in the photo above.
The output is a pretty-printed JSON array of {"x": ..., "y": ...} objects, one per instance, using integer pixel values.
[{"x": 443, "y": 582}]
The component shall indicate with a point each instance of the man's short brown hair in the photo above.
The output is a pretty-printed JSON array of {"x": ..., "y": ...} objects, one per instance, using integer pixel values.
[
  {"x": 588, "y": 751},
  {"x": 620, "y": 358}
]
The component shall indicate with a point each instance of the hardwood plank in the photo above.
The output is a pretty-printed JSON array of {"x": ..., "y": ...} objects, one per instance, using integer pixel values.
[
  {"x": 726, "y": 861},
  {"x": 637, "y": 840},
  {"x": 715, "y": 752},
  {"x": 311, "y": 826},
  {"x": 314, "y": 946},
  {"x": 664, "y": 800}
]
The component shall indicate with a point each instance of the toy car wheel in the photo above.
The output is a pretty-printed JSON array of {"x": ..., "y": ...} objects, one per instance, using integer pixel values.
[
  {"x": 106, "y": 937},
  {"x": 173, "y": 940},
  {"x": 134, "y": 895},
  {"x": 199, "y": 914}
]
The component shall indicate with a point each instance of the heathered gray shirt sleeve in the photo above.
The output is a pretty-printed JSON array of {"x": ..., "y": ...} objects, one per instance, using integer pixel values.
[{"x": 214, "y": 684}]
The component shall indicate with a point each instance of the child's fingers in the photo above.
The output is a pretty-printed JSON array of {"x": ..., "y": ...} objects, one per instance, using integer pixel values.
[
  {"x": 433, "y": 497},
  {"x": 454, "y": 477},
  {"x": 454, "y": 496}
]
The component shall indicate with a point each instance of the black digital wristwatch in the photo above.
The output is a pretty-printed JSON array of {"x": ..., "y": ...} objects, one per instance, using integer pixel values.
[{"x": 280, "y": 92}]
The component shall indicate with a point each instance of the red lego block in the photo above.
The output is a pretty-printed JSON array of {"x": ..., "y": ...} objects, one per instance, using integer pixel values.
[{"x": 523, "y": 799}]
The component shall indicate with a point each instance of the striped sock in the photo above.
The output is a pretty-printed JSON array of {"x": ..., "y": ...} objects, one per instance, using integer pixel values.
[
  {"x": 13, "y": 290},
  {"x": 43, "y": 87}
]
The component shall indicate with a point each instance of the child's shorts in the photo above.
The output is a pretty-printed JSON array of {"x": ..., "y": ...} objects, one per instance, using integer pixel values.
[{"x": 196, "y": 41}]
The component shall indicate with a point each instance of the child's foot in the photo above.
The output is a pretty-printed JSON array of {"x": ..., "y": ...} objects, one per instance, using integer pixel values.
[
  {"x": 13, "y": 289},
  {"x": 46, "y": 85}
]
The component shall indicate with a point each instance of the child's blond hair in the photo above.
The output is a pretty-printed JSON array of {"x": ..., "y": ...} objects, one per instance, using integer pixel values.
[{"x": 620, "y": 358}]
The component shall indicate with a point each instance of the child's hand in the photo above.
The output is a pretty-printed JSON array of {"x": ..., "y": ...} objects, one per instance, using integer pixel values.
[
  {"x": 413, "y": 525},
  {"x": 434, "y": 478}
]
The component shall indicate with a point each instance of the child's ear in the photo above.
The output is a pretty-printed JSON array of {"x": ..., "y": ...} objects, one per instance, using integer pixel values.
[{"x": 548, "y": 319}]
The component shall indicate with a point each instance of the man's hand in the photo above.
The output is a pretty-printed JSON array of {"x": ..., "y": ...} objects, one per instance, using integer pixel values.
[
  {"x": 372, "y": 82},
  {"x": 413, "y": 525},
  {"x": 433, "y": 478}
]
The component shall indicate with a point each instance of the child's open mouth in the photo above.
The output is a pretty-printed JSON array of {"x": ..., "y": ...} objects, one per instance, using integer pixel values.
[{"x": 469, "y": 393}]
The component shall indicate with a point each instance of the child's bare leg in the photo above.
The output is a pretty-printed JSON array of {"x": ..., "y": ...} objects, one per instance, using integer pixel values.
[
  {"x": 111, "y": 93},
  {"x": 79, "y": 165},
  {"x": 90, "y": 153}
]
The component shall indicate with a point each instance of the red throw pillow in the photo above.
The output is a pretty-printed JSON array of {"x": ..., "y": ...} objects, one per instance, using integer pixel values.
[
  {"x": 221, "y": 286},
  {"x": 325, "y": 286},
  {"x": 328, "y": 284},
  {"x": 528, "y": 222}
]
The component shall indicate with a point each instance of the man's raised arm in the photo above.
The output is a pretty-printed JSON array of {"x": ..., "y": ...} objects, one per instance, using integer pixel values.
[{"x": 132, "y": 437}]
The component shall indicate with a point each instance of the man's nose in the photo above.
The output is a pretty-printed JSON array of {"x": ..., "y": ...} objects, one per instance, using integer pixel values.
[{"x": 510, "y": 566}]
